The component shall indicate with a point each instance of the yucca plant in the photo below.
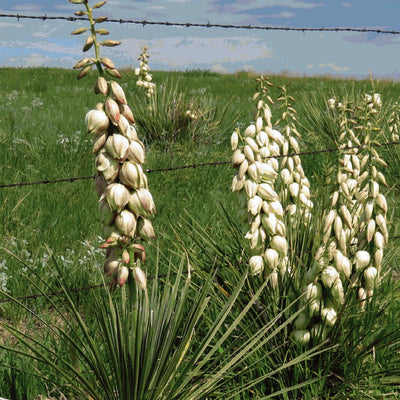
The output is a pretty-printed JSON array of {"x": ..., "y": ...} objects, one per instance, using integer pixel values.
[
  {"x": 154, "y": 344},
  {"x": 171, "y": 115}
]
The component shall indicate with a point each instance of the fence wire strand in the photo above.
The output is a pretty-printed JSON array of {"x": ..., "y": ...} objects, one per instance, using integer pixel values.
[
  {"x": 194, "y": 166},
  {"x": 208, "y": 25}
]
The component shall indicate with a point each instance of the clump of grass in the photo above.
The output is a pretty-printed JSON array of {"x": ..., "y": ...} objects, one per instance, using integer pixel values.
[{"x": 173, "y": 116}]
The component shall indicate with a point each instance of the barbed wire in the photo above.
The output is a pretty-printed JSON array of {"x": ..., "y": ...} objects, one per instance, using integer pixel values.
[
  {"x": 73, "y": 290},
  {"x": 87, "y": 288},
  {"x": 207, "y": 25},
  {"x": 194, "y": 166}
]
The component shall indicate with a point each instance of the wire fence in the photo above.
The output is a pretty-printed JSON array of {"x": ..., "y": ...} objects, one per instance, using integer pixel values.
[
  {"x": 195, "y": 165},
  {"x": 207, "y": 25},
  {"x": 199, "y": 165}
]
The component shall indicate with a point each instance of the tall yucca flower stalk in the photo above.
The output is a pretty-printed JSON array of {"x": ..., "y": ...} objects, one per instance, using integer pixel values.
[
  {"x": 295, "y": 195},
  {"x": 125, "y": 203},
  {"x": 394, "y": 121},
  {"x": 332, "y": 265},
  {"x": 257, "y": 169},
  {"x": 372, "y": 233},
  {"x": 144, "y": 77}
]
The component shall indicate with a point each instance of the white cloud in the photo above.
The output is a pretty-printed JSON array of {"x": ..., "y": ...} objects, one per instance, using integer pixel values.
[
  {"x": 28, "y": 7},
  {"x": 35, "y": 60},
  {"x": 45, "y": 47},
  {"x": 45, "y": 31},
  {"x": 283, "y": 14},
  {"x": 219, "y": 69},
  {"x": 10, "y": 25},
  {"x": 309, "y": 66},
  {"x": 336, "y": 68},
  {"x": 251, "y": 4},
  {"x": 178, "y": 52}
]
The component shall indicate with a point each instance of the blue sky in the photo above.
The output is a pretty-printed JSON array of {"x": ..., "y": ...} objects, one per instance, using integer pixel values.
[{"x": 30, "y": 43}]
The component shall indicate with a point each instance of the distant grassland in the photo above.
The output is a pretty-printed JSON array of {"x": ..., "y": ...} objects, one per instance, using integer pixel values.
[{"x": 42, "y": 137}]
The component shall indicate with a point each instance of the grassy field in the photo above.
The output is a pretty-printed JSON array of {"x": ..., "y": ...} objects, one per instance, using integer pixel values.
[{"x": 42, "y": 137}]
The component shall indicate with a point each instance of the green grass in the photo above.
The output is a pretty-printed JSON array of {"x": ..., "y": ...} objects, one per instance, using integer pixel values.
[{"x": 42, "y": 137}]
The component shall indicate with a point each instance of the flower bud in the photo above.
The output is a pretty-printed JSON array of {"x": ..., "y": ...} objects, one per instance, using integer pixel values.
[
  {"x": 248, "y": 153},
  {"x": 379, "y": 240},
  {"x": 362, "y": 296},
  {"x": 279, "y": 243},
  {"x": 370, "y": 275},
  {"x": 329, "y": 315},
  {"x": 338, "y": 292},
  {"x": 270, "y": 222},
  {"x": 112, "y": 110},
  {"x": 131, "y": 133},
  {"x": 98, "y": 141},
  {"x": 107, "y": 215},
  {"x": 253, "y": 173},
  {"x": 266, "y": 192},
  {"x": 118, "y": 92},
  {"x": 254, "y": 205},
  {"x": 123, "y": 126},
  {"x": 275, "y": 207},
  {"x": 346, "y": 216},
  {"x": 329, "y": 276},
  {"x": 243, "y": 169},
  {"x": 117, "y": 196},
  {"x": 271, "y": 258},
  {"x": 381, "y": 202},
  {"x": 378, "y": 257},
  {"x": 107, "y": 166},
  {"x": 112, "y": 264},
  {"x": 286, "y": 176},
  {"x": 262, "y": 139},
  {"x": 131, "y": 175},
  {"x": 126, "y": 223},
  {"x": 234, "y": 140},
  {"x": 256, "y": 265},
  {"x": 301, "y": 336},
  {"x": 266, "y": 170},
  {"x": 251, "y": 188},
  {"x": 315, "y": 306},
  {"x": 370, "y": 230},
  {"x": 136, "y": 151},
  {"x": 145, "y": 229},
  {"x": 238, "y": 157},
  {"x": 126, "y": 111},
  {"x": 250, "y": 131},
  {"x": 96, "y": 121},
  {"x": 140, "y": 278},
  {"x": 122, "y": 276},
  {"x": 141, "y": 203},
  {"x": 361, "y": 259},
  {"x": 117, "y": 145},
  {"x": 276, "y": 136},
  {"x": 237, "y": 184},
  {"x": 101, "y": 86},
  {"x": 264, "y": 152},
  {"x": 329, "y": 220}
]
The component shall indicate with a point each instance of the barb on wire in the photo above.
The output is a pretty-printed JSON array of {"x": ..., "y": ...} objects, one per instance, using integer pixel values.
[
  {"x": 208, "y": 25},
  {"x": 194, "y": 166}
]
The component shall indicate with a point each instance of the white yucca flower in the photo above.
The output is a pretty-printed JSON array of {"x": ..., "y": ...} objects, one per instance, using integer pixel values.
[
  {"x": 125, "y": 202},
  {"x": 144, "y": 77},
  {"x": 257, "y": 167}
]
